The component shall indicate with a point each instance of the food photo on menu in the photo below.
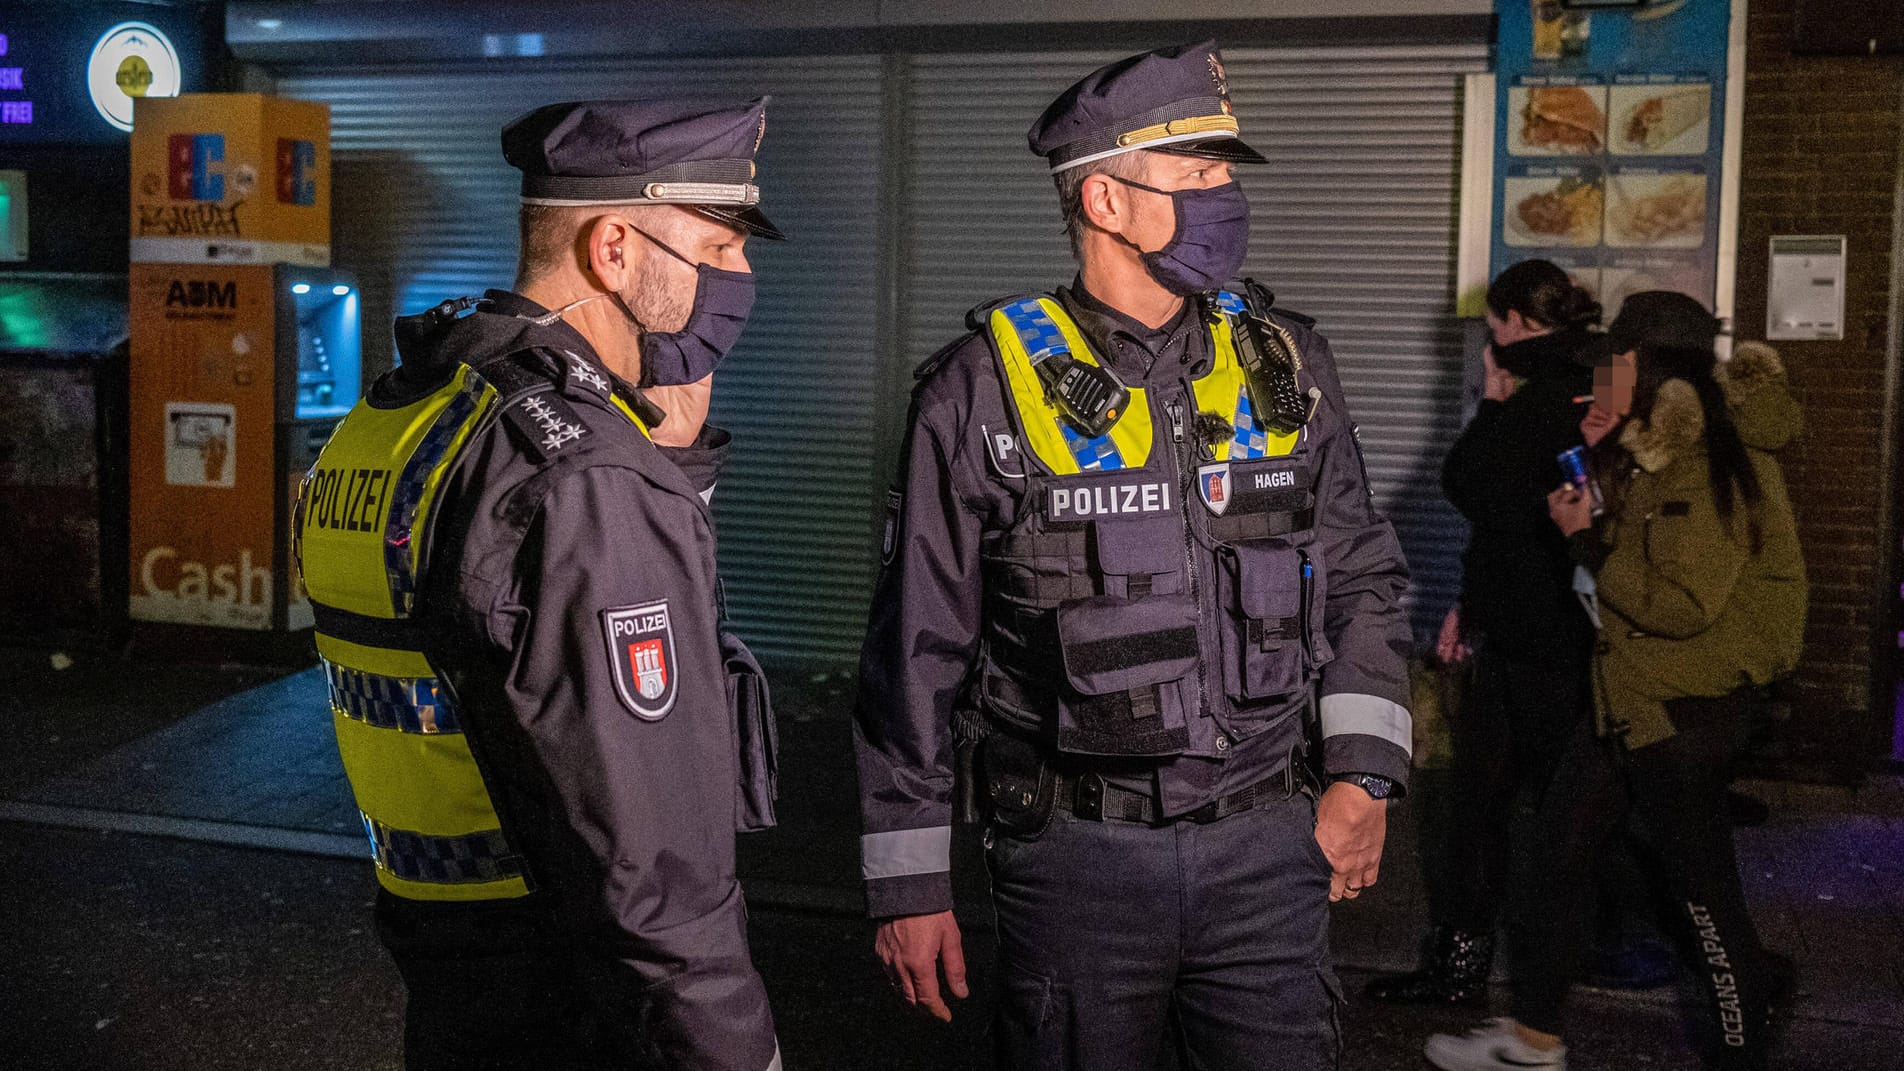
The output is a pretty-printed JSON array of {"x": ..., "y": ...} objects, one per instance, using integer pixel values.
[
  {"x": 1656, "y": 210},
  {"x": 1558, "y": 211},
  {"x": 1653, "y": 120},
  {"x": 1557, "y": 120}
]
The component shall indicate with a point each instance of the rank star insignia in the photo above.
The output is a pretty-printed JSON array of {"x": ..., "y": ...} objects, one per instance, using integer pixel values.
[
  {"x": 557, "y": 432},
  {"x": 580, "y": 372},
  {"x": 641, "y": 657}
]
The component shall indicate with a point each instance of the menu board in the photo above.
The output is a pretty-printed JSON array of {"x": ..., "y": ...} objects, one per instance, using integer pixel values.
[{"x": 1608, "y": 143}]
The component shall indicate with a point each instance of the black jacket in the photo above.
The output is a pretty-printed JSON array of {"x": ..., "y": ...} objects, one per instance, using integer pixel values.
[
  {"x": 625, "y": 811},
  {"x": 1516, "y": 589}
]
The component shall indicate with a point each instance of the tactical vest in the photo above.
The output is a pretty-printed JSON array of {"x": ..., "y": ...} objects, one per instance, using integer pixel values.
[
  {"x": 363, "y": 525},
  {"x": 1099, "y": 613}
]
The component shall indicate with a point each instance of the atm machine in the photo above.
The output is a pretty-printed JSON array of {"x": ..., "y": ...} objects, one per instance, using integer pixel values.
[{"x": 245, "y": 352}]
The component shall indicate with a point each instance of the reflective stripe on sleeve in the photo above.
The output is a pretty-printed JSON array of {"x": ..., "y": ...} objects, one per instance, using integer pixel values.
[
  {"x": 1368, "y": 715},
  {"x": 902, "y": 852}
]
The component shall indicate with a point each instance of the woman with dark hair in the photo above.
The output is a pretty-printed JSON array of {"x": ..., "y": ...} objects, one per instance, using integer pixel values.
[
  {"x": 1517, "y": 620},
  {"x": 1699, "y": 589}
]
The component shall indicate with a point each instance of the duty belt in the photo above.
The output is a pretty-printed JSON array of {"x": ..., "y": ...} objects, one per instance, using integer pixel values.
[{"x": 1090, "y": 797}]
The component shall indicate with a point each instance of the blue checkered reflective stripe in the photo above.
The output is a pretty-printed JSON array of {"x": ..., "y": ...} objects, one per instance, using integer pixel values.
[
  {"x": 1094, "y": 455},
  {"x": 398, "y": 561},
  {"x": 411, "y": 704},
  {"x": 1037, "y": 331},
  {"x": 1229, "y": 303},
  {"x": 1251, "y": 440},
  {"x": 1041, "y": 337},
  {"x": 470, "y": 858}
]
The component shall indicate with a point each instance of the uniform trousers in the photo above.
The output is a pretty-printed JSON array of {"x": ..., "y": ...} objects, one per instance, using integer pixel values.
[
  {"x": 488, "y": 989},
  {"x": 1116, "y": 938},
  {"x": 1670, "y": 798}
]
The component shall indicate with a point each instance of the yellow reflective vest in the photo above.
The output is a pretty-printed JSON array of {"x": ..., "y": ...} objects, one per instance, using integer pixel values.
[
  {"x": 1029, "y": 329},
  {"x": 362, "y": 525}
]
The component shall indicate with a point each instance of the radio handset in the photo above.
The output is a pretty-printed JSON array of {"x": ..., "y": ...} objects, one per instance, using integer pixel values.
[
  {"x": 1088, "y": 396},
  {"x": 1269, "y": 361}
]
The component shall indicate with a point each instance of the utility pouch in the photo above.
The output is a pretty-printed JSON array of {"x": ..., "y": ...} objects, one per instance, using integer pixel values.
[
  {"x": 758, "y": 739},
  {"x": 1271, "y": 595},
  {"x": 1121, "y": 660},
  {"x": 1020, "y": 786}
]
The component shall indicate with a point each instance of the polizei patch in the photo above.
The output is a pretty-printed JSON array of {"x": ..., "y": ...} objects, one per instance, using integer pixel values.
[
  {"x": 641, "y": 654},
  {"x": 1089, "y": 500}
]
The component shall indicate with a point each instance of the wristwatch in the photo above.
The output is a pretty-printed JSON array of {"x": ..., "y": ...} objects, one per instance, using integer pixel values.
[{"x": 1378, "y": 788}]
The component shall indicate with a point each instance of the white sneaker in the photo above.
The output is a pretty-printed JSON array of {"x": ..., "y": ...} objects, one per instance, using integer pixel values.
[{"x": 1492, "y": 1046}]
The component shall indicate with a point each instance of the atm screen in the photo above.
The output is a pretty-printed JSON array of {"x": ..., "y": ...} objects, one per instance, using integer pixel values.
[{"x": 329, "y": 347}]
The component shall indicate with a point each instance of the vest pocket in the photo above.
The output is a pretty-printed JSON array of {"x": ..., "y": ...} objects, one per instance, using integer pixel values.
[
  {"x": 1139, "y": 557},
  {"x": 1121, "y": 660},
  {"x": 1271, "y": 594}
]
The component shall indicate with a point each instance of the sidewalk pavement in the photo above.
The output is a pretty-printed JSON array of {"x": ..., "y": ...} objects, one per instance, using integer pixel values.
[{"x": 259, "y": 767}]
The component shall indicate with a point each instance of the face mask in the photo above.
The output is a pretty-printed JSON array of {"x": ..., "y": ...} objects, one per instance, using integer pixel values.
[
  {"x": 1211, "y": 237},
  {"x": 722, "y": 301}
]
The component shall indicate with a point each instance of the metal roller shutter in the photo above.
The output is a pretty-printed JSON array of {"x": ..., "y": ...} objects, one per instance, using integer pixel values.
[
  {"x": 1353, "y": 223},
  {"x": 425, "y": 210}
]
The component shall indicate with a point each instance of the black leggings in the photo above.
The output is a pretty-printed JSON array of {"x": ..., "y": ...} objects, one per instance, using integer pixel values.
[
  {"x": 1671, "y": 798},
  {"x": 1507, "y": 739}
]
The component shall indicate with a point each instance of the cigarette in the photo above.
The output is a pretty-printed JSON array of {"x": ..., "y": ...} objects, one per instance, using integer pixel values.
[{"x": 1583, "y": 399}]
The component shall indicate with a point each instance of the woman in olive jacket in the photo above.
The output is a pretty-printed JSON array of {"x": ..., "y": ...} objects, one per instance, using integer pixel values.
[{"x": 1696, "y": 579}]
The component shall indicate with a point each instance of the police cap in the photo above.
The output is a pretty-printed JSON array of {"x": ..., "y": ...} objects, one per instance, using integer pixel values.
[
  {"x": 1174, "y": 100},
  {"x": 601, "y": 152}
]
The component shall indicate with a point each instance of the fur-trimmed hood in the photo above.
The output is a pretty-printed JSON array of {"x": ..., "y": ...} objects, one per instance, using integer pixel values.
[{"x": 1767, "y": 415}]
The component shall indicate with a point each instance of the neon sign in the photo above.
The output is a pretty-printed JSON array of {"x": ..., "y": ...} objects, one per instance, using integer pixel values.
[{"x": 13, "y": 112}]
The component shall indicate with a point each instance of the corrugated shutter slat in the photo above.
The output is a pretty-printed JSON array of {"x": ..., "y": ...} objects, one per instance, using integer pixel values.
[{"x": 425, "y": 209}]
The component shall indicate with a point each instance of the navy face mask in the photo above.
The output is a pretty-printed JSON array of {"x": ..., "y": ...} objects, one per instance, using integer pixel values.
[
  {"x": 1211, "y": 238},
  {"x": 722, "y": 302}
]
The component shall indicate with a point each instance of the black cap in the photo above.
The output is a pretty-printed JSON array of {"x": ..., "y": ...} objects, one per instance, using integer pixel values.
[
  {"x": 684, "y": 152},
  {"x": 1661, "y": 318},
  {"x": 1173, "y": 100}
]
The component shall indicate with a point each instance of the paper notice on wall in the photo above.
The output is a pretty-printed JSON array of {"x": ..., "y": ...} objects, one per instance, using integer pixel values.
[{"x": 199, "y": 444}]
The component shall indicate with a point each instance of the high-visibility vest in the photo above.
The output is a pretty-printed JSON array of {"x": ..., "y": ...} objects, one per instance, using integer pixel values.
[
  {"x": 1030, "y": 329},
  {"x": 363, "y": 521}
]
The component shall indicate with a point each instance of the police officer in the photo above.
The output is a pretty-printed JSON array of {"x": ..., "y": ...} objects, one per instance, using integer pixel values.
[
  {"x": 510, "y": 552},
  {"x": 1131, "y": 566}
]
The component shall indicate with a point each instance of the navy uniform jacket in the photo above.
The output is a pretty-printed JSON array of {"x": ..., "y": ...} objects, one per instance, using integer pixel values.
[
  {"x": 624, "y": 807},
  {"x": 923, "y": 638}
]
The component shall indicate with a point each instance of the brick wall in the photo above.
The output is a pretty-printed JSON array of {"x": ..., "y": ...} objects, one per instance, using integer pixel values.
[{"x": 1821, "y": 156}]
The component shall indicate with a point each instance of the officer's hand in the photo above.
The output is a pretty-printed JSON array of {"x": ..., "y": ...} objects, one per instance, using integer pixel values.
[
  {"x": 686, "y": 407},
  {"x": 1449, "y": 647},
  {"x": 911, "y": 949},
  {"x": 1351, "y": 827}
]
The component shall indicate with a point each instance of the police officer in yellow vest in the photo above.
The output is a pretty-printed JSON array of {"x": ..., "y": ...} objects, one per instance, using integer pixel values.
[
  {"x": 509, "y": 547},
  {"x": 1137, "y": 601}
]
